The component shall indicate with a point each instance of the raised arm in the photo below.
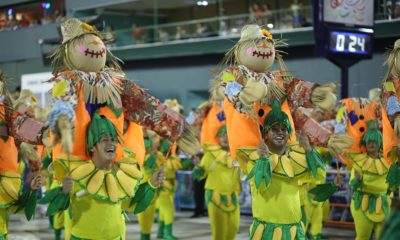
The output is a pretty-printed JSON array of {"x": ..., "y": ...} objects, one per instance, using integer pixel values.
[{"x": 146, "y": 110}]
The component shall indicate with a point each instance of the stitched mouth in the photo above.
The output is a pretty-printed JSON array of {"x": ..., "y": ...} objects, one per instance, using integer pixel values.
[
  {"x": 262, "y": 54},
  {"x": 96, "y": 54}
]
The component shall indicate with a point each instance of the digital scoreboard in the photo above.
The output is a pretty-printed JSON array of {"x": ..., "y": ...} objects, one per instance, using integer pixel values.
[
  {"x": 344, "y": 33},
  {"x": 344, "y": 29},
  {"x": 349, "y": 43}
]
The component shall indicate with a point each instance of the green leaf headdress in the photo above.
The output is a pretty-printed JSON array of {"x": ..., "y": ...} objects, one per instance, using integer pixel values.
[
  {"x": 372, "y": 134},
  {"x": 276, "y": 116},
  {"x": 99, "y": 127},
  {"x": 148, "y": 143},
  {"x": 221, "y": 131}
]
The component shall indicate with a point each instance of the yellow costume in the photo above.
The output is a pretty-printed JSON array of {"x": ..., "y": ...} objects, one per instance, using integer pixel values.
[
  {"x": 165, "y": 199},
  {"x": 222, "y": 188},
  {"x": 276, "y": 207},
  {"x": 314, "y": 210},
  {"x": 95, "y": 203},
  {"x": 97, "y": 195},
  {"x": 146, "y": 218},
  {"x": 370, "y": 202},
  {"x": 274, "y": 182}
]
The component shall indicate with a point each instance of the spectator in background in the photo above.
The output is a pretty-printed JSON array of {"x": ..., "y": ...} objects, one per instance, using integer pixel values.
[
  {"x": 137, "y": 34},
  {"x": 11, "y": 22},
  {"x": 46, "y": 19},
  {"x": 267, "y": 15},
  {"x": 163, "y": 35},
  {"x": 256, "y": 13},
  {"x": 180, "y": 33},
  {"x": 298, "y": 18},
  {"x": 56, "y": 16},
  {"x": 396, "y": 13},
  {"x": 24, "y": 22}
]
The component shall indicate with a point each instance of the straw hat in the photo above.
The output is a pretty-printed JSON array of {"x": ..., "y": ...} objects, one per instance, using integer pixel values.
[
  {"x": 73, "y": 28},
  {"x": 253, "y": 32}
]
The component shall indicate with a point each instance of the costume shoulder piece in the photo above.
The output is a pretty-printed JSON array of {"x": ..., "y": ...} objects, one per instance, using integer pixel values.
[
  {"x": 10, "y": 185},
  {"x": 98, "y": 87},
  {"x": 366, "y": 164},
  {"x": 112, "y": 185},
  {"x": 293, "y": 163}
]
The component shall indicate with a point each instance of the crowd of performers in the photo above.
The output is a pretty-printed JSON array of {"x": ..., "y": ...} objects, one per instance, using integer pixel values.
[{"x": 107, "y": 147}]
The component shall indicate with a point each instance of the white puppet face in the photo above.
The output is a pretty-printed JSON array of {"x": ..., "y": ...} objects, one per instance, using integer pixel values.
[
  {"x": 87, "y": 53},
  {"x": 258, "y": 56}
]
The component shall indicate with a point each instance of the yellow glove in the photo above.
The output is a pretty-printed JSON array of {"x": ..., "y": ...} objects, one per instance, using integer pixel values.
[
  {"x": 189, "y": 142},
  {"x": 324, "y": 96},
  {"x": 252, "y": 92},
  {"x": 64, "y": 128},
  {"x": 339, "y": 143}
]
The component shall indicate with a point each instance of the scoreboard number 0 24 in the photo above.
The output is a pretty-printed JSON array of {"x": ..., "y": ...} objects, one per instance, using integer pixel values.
[{"x": 347, "y": 42}]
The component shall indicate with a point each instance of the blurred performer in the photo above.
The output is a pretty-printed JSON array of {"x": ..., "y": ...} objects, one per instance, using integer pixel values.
[
  {"x": 222, "y": 187},
  {"x": 370, "y": 203},
  {"x": 14, "y": 131},
  {"x": 153, "y": 162},
  {"x": 166, "y": 196}
]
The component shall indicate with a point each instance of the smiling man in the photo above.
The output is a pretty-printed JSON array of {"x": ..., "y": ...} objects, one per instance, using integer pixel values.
[
  {"x": 274, "y": 171},
  {"x": 94, "y": 191}
]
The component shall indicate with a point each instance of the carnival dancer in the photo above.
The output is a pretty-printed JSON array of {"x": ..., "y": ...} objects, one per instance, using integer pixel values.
[
  {"x": 370, "y": 204},
  {"x": 274, "y": 170},
  {"x": 95, "y": 191},
  {"x": 222, "y": 187}
]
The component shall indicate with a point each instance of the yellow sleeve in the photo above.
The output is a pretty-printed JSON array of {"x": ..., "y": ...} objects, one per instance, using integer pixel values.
[{"x": 206, "y": 162}]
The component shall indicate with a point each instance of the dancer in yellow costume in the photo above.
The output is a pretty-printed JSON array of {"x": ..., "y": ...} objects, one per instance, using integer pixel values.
[
  {"x": 95, "y": 190},
  {"x": 222, "y": 187},
  {"x": 370, "y": 201},
  {"x": 172, "y": 163},
  {"x": 153, "y": 161},
  {"x": 313, "y": 210},
  {"x": 16, "y": 127},
  {"x": 274, "y": 170},
  {"x": 165, "y": 201}
]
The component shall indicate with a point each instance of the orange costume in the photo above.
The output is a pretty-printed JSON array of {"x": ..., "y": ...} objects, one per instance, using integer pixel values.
[
  {"x": 353, "y": 115},
  {"x": 133, "y": 140},
  {"x": 214, "y": 119}
]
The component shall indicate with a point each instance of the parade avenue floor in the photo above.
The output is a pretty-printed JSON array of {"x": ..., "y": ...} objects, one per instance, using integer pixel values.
[{"x": 184, "y": 228}]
